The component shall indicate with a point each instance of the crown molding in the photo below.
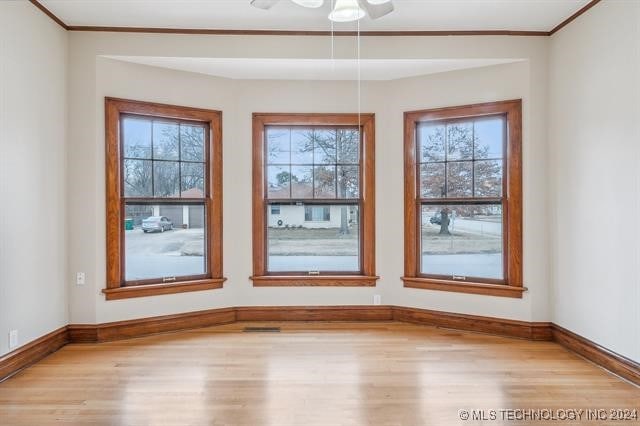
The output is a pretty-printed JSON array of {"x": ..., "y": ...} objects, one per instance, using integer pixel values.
[
  {"x": 573, "y": 17},
  {"x": 50, "y": 14},
  {"x": 206, "y": 31}
]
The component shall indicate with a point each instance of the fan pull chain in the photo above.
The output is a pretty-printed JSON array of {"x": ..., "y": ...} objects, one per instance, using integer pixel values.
[
  {"x": 333, "y": 58},
  {"x": 359, "y": 78}
]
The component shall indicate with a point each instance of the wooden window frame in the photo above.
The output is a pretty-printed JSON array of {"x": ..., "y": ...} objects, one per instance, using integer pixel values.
[
  {"x": 367, "y": 276},
  {"x": 116, "y": 287},
  {"x": 512, "y": 200}
]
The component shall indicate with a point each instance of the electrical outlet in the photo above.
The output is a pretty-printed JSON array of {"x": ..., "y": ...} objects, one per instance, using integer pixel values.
[
  {"x": 80, "y": 278},
  {"x": 377, "y": 299},
  {"x": 13, "y": 339}
]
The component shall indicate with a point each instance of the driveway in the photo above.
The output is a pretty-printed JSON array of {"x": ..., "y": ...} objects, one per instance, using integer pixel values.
[{"x": 173, "y": 253}]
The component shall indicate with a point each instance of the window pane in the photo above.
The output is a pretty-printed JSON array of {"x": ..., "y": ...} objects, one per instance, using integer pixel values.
[
  {"x": 489, "y": 135},
  {"x": 301, "y": 182},
  {"x": 278, "y": 145},
  {"x": 302, "y": 146},
  {"x": 462, "y": 240},
  {"x": 166, "y": 140},
  {"x": 460, "y": 179},
  {"x": 431, "y": 142},
  {"x": 460, "y": 141},
  {"x": 166, "y": 178},
  {"x": 320, "y": 238},
  {"x": 432, "y": 180},
  {"x": 164, "y": 241},
  {"x": 325, "y": 182},
  {"x": 348, "y": 146},
  {"x": 192, "y": 175},
  {"x": 137, "y": 137},
  {"x": 488, "y": 178},
  {"x": 348, "y": 181},
  {"x": 317, "y": 214},
  {"x": 191, "y": 143},
  {"x": 324, "y": 146},
  {"x": 137, "y": 178},
  {"x": 278, "y": 182}
]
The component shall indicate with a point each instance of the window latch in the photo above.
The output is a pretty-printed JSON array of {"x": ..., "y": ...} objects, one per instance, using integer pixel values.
[
  {"x": 168, "y": 279},
  {"x": 314, "y": 272},
  {"x": 459, "y": 278}
]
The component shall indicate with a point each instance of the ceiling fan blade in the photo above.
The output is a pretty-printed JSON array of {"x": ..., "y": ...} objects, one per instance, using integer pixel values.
[
  {"x": 376, "y": 11},
  {"x": 263, "y": 4}
]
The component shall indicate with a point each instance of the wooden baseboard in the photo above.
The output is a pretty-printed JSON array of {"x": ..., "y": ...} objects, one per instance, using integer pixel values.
[
  {"x": 489, "y": 325},
  {"x": 32, "y": 352},
  {"x": 315, "y": 313},
  {"x": 89, "y": 333},
  {"x": 605, "y": 358},
  {"x": 83, "y": 333},
  {"x": 95, "y": 333}
]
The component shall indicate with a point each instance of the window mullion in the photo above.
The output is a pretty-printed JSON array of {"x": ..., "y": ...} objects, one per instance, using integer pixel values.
[
  {"x": 474, "y": 200},
  {"x": 473, "y": 158},
  {"x": 153, "y": 164},
  {"x": 180, "y": 160},
  {"x": 313, "y": 162}
]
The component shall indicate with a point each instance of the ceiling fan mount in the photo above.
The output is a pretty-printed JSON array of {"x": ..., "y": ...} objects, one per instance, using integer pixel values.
[{"x": 343, "y": 10}]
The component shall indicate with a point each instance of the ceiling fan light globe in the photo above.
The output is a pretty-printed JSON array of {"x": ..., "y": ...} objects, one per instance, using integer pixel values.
[
  {"x": 309, "y": 3},
  {"x": 378, "y": 1},
  {"x": 346, "y": 11}
]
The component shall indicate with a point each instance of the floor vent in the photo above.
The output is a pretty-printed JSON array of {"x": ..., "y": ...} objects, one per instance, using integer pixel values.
[{"x": 261, "y": 330}]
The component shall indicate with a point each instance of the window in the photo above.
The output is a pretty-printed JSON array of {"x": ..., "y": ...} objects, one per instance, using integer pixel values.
[
  {"x": 163, "y": 185},
  {"x": 463, "y": 199},
  {"x": 317, "y": 214},
  {"x": 318, "y": 172}
]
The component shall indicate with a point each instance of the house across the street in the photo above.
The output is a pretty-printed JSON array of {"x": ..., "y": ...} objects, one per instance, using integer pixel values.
[{"x": 311, "y": 216}]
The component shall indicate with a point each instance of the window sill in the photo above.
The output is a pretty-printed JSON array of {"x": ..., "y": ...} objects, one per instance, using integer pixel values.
[
  {"x": 159, "y": 289},
  {"x": 500, "y": 290},
  {"x": 314, "y": 281}
]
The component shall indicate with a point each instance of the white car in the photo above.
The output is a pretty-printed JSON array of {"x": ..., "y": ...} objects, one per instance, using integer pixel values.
[{"x": 156, "y": 223}]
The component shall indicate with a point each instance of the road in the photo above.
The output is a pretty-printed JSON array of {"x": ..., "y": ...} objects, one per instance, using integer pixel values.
[
  {"x": 314, "y": 263},
  {"x": 160, "y": 255},
  {"x": 472, "y": 265},
  {"x": 159, "y": 265},
  {"x": 485, "y": 265}
]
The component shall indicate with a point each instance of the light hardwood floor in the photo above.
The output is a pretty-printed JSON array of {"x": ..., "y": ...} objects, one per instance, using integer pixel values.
[{"x": 309, "y": 374}]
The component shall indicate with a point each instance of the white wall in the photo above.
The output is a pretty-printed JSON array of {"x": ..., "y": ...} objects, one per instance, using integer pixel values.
[
  {"x": 33, "y": 122},
  {"x": 582, "y": 266},
  {"x": 93, "y": 77},
  {"x": 595, "y": 189}
]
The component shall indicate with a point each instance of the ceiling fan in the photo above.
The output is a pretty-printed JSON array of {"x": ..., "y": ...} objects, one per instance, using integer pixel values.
[{"x": 343, "y": 10}]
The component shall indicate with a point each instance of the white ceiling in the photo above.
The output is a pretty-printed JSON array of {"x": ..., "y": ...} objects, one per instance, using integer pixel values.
[
  {"x": 311, "y": 69},
  {"x": 425, "y": 15}
]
